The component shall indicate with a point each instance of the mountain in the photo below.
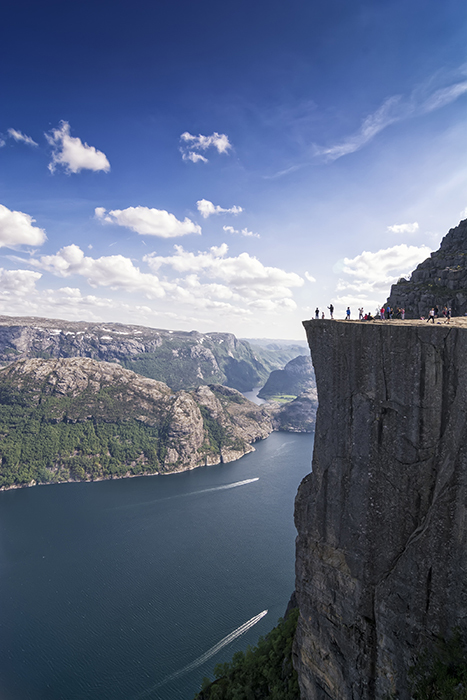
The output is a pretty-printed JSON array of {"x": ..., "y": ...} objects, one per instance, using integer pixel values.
[
  {"x": 180, "y": 359},
  {"x": 296, "y": 377},
  {"x": 297, "y": 416},
  {"x": 82, "y": 419},
  {"x": 441, "y": 280}
]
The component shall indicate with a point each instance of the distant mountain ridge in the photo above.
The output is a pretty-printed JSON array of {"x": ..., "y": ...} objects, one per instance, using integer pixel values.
[{"x": 180, "y": 359}]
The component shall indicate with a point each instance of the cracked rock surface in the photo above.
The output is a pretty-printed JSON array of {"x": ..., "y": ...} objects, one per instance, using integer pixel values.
[{"x": 381, "y": 567}]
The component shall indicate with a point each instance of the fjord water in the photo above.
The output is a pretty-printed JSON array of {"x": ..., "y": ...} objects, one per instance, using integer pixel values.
[{"x": 137, "y": 588}]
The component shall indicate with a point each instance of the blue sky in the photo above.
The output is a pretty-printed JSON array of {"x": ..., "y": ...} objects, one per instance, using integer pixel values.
[{"x": 225, "y": 167}]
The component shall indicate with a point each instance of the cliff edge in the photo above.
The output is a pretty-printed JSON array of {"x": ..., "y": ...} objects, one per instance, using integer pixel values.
[{"x": 382, "y": 540}]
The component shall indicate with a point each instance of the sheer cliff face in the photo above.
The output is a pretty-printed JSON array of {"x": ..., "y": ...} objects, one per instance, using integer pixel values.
[{"x": 382, "y": 520}]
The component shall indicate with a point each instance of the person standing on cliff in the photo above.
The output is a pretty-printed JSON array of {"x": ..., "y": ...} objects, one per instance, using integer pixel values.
[
  {"x": 316, "y": 312},
  {"x": 431, "y": 315},
  {"x": 347, "y": 314},
  {"x": 331, "y": 311}
]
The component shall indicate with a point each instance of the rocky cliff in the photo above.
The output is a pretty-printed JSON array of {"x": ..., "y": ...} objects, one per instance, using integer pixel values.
[
  {"x": 439, "y": 280},
  {"x": 296, "y": 377},
  {"x": 181, "y": 360},
  {"x": 382, "y": 539},
  {"x": 78, "y": 418}
]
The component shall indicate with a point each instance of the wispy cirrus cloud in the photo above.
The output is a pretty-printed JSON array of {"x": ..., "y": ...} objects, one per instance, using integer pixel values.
[
  {"x": 148, "y": 222},
  {"x": 423, "y": 100},
  {"x": 71, "y": 153},
  {"x": 19, "y": 136},
  {"x": 192, "y": 146},
  {"x": 207, "y": 208}
]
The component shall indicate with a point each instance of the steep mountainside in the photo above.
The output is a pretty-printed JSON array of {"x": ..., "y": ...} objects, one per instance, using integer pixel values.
[
  {"x": 438, "y": 281},
  {"x": 381, "y": 565},
  {"x": 297, "y": 416},
  {"x": 296, "y": 377},
  {"x": 181, "y": 360},
  {"x": 82, "y": 419}
]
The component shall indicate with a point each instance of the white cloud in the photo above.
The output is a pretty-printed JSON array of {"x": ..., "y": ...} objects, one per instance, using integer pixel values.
[
  {"x": 148, "y": 222},
  {"x": 72, "y": 153},
  {"x": 372, "y": 274},
  {"x": 387, "y": 114},
  {"x": 192, "y": 145},
  {"x": 463, "y": 213},
  {"x": 2, "y": 142},
  {"x": 444, "y": 96},
  {"x": 422, "y": 100},
  {"x": 404, "y": 228},
  {"x": 389, "y": 262},
  {"x": 114, "y": 271},
  {"x": 244, "y": 275},
  {"x": 16, "y": 228},
  {"x": 19, "y": 283},
  {"x": 194, "y": 157},
  {"x": 309, "y": 277},
  {"x": 243, "y": 232},
  {"x": 18, "y": 136},
  {"x": 207, "y": 208}
]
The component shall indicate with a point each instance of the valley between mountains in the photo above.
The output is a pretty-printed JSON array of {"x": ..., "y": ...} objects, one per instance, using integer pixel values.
[{"x": 71, "y": 409}]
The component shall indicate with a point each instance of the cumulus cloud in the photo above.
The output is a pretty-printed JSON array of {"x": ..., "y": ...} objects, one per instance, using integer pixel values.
[
  {"x": 243, "y": 232},
  {"x": 16, "y": 228},
  {"x": 244, "y": 275},
  {"x": 423, "y": 99},
  {"x": 19, "y": 136},
  {"x": 114, "y": 271},
  {"x": 207, "y": 208},
  {"x": 71, "y": 153},
  {"x": 148, "y": 222},
  {"x": 404, "y": 228},
  {"x": 192, "y": 145},
  {"x": 18, "y": 283},
  {"x": 309, "y": 277},
  {"x": 370, "y": 275}
]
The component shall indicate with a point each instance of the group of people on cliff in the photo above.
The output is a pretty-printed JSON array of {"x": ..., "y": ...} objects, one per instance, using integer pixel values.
[
  {"x": 434, "y": 313},
  {"x": 387, "y": 313}
]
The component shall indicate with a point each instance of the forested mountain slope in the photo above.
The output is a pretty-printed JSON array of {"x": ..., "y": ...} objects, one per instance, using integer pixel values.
[{"x": 81, "y": 419}]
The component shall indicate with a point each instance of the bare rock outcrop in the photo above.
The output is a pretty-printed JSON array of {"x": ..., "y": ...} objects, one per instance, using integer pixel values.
[
  {"x": 440, "y": 280},
  {"x": 381, "y": 568}
]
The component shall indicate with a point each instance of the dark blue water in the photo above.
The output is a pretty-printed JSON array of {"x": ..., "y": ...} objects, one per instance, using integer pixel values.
[{"x": 132, "y": 589}]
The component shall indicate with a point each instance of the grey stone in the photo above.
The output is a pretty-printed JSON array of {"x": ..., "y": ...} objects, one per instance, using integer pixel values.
[{"x": 381, "y": 567}]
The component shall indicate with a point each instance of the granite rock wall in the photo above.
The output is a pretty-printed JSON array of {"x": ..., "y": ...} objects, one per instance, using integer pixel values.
[
  {"x": 382, "y": 520},
  {"x": 440, "y": 280}
]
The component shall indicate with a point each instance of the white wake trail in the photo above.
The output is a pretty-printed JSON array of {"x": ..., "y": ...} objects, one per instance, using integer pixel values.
[
  {"x": 210, "y": 653},
  {"x": 191, "y": 493},
  {"x": 223, "y": 488}
]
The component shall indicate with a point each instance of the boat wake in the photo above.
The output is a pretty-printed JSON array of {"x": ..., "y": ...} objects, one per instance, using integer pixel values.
[
  {"x": 191, "y": 493},
  {"x": 208, "y": 654}
]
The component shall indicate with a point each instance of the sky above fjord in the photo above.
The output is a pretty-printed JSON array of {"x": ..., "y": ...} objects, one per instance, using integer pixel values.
[{"x": 225, "y": 166}]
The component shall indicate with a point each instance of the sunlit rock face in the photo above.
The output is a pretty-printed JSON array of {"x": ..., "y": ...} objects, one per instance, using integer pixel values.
[
  {"x": 381, "y": 550},
  {"x": 440, "y": 280}
]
